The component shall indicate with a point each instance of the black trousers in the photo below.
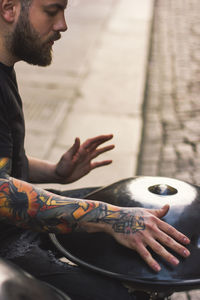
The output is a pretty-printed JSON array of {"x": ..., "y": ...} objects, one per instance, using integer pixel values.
[{"x": 36, "y": 254}]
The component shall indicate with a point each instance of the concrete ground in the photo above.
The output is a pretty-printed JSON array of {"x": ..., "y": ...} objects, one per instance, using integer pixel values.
[{"x": 96, "y": 85}]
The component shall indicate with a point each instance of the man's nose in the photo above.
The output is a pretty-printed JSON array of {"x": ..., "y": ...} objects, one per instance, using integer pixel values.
[{"x": 61, "y": 24}]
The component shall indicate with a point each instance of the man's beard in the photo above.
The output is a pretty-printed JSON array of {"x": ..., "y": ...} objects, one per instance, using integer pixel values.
[{"x": 25, "y": 43}]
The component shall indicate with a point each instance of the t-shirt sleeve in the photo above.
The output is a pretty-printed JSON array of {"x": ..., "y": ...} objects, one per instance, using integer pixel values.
[{"x": 5, "y": 131}]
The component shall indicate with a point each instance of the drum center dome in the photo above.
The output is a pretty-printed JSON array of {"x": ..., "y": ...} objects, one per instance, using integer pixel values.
[{"x": 162, "y": 189}]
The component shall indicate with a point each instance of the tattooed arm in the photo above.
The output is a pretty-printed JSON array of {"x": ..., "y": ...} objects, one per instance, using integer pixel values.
[{"x": 27, "y": 206}]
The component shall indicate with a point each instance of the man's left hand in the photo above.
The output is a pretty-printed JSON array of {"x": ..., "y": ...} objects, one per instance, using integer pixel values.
[{"x": 77, "y": 161}]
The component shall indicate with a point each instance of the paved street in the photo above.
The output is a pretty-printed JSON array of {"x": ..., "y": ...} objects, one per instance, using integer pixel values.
[
  {"x": 171, "y": 144},
  {"x": 96, "y": 85},
  {"x": 171, "y": 137}
]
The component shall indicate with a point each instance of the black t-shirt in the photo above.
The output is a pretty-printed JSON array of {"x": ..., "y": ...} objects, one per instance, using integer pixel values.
[
  {"x": 12, "y": 129},
  {"x": 12, "y": 132}
]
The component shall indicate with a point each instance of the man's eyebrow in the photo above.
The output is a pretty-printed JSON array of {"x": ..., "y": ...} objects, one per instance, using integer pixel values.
[{"x": 55, "y": 5}]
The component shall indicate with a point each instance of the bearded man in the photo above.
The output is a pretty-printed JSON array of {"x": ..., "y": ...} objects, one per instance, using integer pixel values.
[{"x": 28, "y": 30}]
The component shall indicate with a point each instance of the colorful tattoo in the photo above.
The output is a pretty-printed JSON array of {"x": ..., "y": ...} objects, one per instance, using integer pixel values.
[
  {"x": 5, "y": 167},
  {"x": 129, "y": 224},
  {"x": 121, "y": 221},
  {"x": 30, "y": 207}
]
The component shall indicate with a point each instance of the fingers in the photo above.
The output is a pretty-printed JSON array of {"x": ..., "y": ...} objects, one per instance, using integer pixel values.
[
  {"x": 74, "y": 148},
  {"x": 93, "y": 143},
  {"x": 161, "y": 212},
  {"x": 100, "y": 164},
  {"x": 159, "y": 249},
  {"x": 102, "y": 150},
  {"x": 147, "y": 257},
  {"x": 171, "y": 243},
  {"x": 171, "y": 231}
]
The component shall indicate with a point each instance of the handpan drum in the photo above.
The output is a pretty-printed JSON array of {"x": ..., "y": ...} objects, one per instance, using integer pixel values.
[{"x": 101, "y": 253}]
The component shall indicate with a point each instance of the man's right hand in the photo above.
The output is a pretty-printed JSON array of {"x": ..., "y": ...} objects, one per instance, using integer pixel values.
[{"x": 138, "y": 228}]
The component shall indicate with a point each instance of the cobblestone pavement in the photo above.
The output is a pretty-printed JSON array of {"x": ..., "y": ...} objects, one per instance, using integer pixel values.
[
  {"x": 171, "y": 135},
  {"x": 172, "y": 106}
]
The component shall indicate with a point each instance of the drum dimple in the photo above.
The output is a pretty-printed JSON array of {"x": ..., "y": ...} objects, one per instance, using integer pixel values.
[{"x": 163, "y": 190}]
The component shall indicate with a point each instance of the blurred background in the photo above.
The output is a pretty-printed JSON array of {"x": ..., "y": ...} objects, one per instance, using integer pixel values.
[
  {"x": 94, "y": 86},
  {"x": 127, "y": 67},
  {"x": 171, "y": 136}
]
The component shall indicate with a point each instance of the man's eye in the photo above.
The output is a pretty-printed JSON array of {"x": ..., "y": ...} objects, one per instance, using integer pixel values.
[{"x": 51, "y": 13}]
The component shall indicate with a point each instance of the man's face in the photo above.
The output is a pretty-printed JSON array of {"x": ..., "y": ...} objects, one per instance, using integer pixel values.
[{"x": 37, "y": 27}]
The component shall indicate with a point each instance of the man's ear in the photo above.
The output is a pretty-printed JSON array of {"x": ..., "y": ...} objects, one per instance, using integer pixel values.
[{"x": 8, "y": 10}]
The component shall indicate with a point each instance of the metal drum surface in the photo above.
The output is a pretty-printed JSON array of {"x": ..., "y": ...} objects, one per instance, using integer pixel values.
[{"x": 101, "y": 253}]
